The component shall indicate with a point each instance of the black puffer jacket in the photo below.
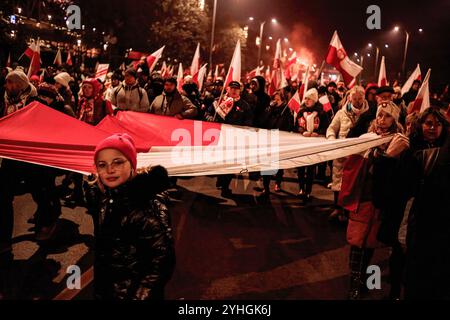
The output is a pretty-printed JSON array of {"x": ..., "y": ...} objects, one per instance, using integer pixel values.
[
  {"x": 135, "y": 255},
  {"x": 262, "y": 103}
]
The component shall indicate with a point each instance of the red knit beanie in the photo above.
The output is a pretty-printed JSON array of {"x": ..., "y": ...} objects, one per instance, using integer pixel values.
[{"x": 121, "y": 142}]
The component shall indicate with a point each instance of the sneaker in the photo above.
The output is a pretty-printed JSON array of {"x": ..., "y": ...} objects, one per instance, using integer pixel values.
[{"x": 46, "y": 233}]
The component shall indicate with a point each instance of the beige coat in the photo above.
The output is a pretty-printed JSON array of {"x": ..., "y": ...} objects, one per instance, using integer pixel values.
[{"x": 339, "y": 128}]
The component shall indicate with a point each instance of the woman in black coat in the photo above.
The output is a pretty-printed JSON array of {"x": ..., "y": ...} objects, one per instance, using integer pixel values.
[
  {"x": 276, "y": 116},
  {"x": 134, "y": 251}
]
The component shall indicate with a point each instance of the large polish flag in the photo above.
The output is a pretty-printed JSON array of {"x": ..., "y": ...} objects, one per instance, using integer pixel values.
[
  {"x": 184, "y": 147},
  {"x": 234, "y": 72},
  {"x": 382, "y": 78},
  {"x": 338, "y": 58},
  {"x": 422, "y": 101},
  {"x": 289, "y": 63},
  {"x": 69, "y": 59},
  {"x": 416, "y": 75},
  {"x": 152, "y": 59}
]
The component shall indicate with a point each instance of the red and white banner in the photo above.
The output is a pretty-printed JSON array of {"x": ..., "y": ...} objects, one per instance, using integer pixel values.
[
  {"x": 234, "y": 72},
  {"x": 338, "y": 58},
  {"x": 152, "y": 59},
  {"x": 58, "y": 58},
  {"x": 382, "y": 78},
  {"x": 422, "y": 101},
  {"x": 101, "y": 72},
  {"x": 41, "y": 135},
  {"x": 416, "y": 75}
]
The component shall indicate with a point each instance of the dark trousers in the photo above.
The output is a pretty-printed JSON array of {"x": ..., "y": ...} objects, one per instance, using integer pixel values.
[
  {"x": 17, "y": 178},
  {"x": 278, "y": 178},
  {"x": 306, "y": 178},
  {"x": 224, "y": 181},
  {"x": 359, "y": 261},
  {"x": 396, "y": 267}
]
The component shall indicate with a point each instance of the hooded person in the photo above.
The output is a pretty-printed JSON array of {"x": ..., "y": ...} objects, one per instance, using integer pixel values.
[
  {"x": 92, "y": 107},
  {"x": 62, "y": 83},
  {"x": 135, "y": 255},
  {"x": 339, "y": 128},
  {"x": 173, "y": 104},
  {"x": 19, "y": 92},
  {"x": 48, "y": 95},
  {"x": 258, "y": 88},
  {"x": 129, "y": 96},
  {"x": 311, "y": 121}
]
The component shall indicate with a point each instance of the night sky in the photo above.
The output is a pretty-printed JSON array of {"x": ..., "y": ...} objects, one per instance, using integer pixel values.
[{"x": 316, "y": 20}]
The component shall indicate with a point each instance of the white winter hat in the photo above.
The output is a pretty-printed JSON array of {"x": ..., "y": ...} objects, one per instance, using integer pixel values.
[
  {"x": 63, "y": 79},
  {"x": 312, "y": 94}
]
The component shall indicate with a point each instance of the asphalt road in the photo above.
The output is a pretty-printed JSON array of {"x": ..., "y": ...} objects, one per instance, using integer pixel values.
[{"x": 236, "y": 248}]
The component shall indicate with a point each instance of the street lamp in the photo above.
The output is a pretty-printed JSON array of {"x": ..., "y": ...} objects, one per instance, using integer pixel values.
[
  {"x": 386, "y": 46},
  {"x": 212, "y": 33},
  {"x": 286, "y": 40},
  {"x": 261, "y": 34},
  {"x": 396, "y": 29}
]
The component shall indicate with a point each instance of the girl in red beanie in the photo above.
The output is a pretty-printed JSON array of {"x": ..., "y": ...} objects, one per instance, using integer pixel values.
[{"x": 134, "y": 252}]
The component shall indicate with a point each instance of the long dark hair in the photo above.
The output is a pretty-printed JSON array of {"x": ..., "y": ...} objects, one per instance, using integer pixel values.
[{"x": 416, "y": 138}]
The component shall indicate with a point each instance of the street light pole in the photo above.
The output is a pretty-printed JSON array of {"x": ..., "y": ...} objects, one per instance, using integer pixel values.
[
  {"x": 404, "y": 55},
  {"x": 212, "y": 34},
  {"x": 376, "y": 62},
  {"x": 261, "y": 32}
]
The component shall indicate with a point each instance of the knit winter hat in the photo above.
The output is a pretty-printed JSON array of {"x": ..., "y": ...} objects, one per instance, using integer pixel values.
[
  {"x": 121, "y": 142},
  {"x": 20, "y": 78},
  {"x": 63, "y": 79},
  {"x": 390, "y": 108},
  {"x": 95, "y": 85},
  {"x": 312, "y": 94},
  {"x": 47, "y": 90}
]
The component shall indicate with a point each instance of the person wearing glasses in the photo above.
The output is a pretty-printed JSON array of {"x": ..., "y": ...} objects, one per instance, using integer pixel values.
[{"x": 134, "y": 250}]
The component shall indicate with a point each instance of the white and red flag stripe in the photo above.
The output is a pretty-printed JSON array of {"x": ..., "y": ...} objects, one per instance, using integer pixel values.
[
  {"x": 58, "y": 58},
  {"x": 325, "y": 103},
  {"x": 201, "y": 76},
  {"x": 195, "y": 65},
  {"x": 183, "y": 147},
  {"x": 152, "y": 59},
  {"x": 234, "y": 72},
  {"x": 69, "y": 59},
  {"x": 382, "y": 78},
  {"x": 422, "y": 101},
  {"x": 101, "y": 72},
  {"x": 416, "y": 75},
  {"x": 180, "y": 76},
  {"x": 338, "y": 58}
]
